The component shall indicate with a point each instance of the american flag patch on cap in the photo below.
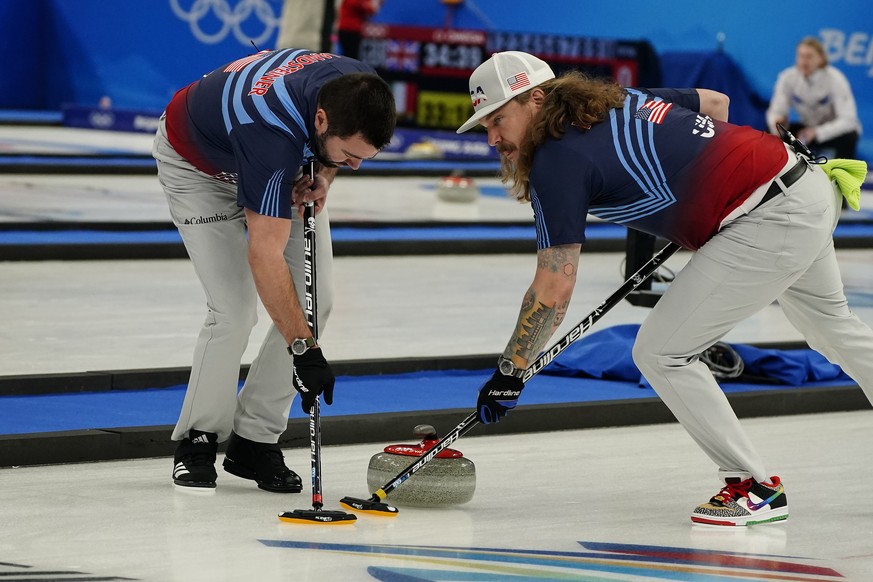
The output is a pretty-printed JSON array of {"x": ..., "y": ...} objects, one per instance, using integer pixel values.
[{"x": 518, "y": 81}]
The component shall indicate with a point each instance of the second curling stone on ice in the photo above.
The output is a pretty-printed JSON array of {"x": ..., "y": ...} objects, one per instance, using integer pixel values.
[
  {"x": 457, "y": 188},
  {"x": 448, "y": 479}
]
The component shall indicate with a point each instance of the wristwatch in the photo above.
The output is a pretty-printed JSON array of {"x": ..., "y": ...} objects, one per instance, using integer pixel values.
[
  {"x": 299, "y": 346},
  {"x": 507, "y": 368}
]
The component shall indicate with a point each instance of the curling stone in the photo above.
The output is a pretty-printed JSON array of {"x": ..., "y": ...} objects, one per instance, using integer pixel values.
[
  {"x": 448, "y": 479},
  {"x": 457, "y": 188}
]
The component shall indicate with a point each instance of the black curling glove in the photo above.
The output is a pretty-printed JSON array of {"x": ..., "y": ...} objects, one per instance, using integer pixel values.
[{"x": 313, "y": 377}]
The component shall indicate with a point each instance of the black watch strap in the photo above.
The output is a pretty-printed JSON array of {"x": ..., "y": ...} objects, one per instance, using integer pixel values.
[{"x": 507, "y": 368}]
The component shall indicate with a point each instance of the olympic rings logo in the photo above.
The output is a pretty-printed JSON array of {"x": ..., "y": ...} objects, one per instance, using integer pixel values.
[{"x": 231, "y": 19}]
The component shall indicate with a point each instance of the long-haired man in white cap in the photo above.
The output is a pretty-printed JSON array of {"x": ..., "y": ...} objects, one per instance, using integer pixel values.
[{"x": 758, "y": 214}]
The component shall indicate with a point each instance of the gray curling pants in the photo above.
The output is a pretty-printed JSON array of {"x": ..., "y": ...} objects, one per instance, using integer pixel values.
[
  {"x": 781, "y": 250},
  {"x": 213, "y": 229}
]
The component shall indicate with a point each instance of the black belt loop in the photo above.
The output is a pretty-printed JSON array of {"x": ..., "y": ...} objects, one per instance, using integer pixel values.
[{"x": 788, "y": 179}]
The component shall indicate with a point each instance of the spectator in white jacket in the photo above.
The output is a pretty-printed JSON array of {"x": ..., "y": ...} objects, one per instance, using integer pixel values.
[{"x": 822, "y": 99}]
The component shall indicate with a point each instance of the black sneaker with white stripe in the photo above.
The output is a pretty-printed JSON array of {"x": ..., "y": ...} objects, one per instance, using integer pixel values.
[{"x": 195, "y": 460}]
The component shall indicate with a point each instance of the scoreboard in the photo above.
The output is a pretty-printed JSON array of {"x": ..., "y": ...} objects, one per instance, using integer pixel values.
[{"x": 428, "y": 68}]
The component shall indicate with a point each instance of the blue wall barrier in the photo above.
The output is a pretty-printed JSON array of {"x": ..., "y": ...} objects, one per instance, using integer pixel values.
[
  {"x": 759, "y": 36},
  {"x": 139, "y": 52},
  {"x": 22, "y": 40}
]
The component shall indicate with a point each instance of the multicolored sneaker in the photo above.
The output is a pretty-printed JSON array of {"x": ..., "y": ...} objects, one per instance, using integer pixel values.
[{"x": 742, "y": 503}]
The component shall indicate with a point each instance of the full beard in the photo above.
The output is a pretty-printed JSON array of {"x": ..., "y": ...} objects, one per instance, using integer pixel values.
[
  {"x": 507, "y": 167},
  {"x": 319, "y": 149}
]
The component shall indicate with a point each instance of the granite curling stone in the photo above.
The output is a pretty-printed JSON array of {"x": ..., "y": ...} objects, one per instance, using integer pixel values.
[
  {"x": 448, "y": 479},
  {"x": 458, "y": 189}
]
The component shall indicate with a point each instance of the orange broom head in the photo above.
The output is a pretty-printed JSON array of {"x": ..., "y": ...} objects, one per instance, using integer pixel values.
[
  {"x": 372, "y": 506},
  {"x": 317, "y": 516}
]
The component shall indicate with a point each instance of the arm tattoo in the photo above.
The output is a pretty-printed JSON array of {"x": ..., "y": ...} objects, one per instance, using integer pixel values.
[
  {"x": 558, "y": 260},
  {"x": 535, "y": 325},
  {"x": 538, "y": 320},
  {"x": 561, "y": 313},
  {"x": 529, "y": 300}
]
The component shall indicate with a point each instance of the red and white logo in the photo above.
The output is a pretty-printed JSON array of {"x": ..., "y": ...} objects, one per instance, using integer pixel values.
[
  {"x": 478, "y": 96},
  {"x": 239, "y": 64}
]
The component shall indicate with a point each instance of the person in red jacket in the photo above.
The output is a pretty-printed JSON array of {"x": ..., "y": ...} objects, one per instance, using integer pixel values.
[{"x": 352, "y": 16}]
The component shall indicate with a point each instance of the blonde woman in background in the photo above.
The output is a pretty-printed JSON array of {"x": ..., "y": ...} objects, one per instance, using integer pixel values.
[{"x": 822, "y": 98}]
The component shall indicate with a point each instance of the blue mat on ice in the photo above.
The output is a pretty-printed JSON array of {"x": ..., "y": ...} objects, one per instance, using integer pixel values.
[
  {"x": 606, "y": 354},
  {"x": 354, "y": 395}
]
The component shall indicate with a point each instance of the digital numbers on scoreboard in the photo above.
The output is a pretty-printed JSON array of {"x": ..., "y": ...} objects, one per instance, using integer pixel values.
[
  {"x": 447, "y": 58},
  {"x": 428, "y": 68},
  {"x": 437, "y": 109}
]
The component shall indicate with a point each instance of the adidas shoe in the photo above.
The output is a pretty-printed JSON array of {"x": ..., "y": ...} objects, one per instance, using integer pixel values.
[
  {"x": 742, "y": 503},
  {"x": 195, "y": 460},
  {"x": 262, "y": 463}
]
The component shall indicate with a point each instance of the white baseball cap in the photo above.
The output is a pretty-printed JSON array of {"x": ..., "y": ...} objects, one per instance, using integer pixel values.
[{"x": 501, "y": 78}]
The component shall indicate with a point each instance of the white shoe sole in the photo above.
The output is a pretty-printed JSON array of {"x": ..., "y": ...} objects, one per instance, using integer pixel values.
[{"x": 757, "y": 518}]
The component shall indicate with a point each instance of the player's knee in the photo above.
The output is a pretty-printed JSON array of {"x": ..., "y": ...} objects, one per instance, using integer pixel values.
[
  {"x": 644, "y": 354},
  {"x": 246, "y": 319},
  {"x": 237, "y": 322}
]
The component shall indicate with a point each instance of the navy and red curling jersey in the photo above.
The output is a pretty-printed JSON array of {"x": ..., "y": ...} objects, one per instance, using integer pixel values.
[
  {"x": 655, "y": 165},
  {"x": 250, "y": 122}
]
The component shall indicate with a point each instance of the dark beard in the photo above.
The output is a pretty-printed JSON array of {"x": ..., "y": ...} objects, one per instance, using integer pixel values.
[{"x": 319, "y": 149}]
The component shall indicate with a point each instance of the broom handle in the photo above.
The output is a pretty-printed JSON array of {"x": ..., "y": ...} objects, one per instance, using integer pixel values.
[
  {"x": 311, "y": 311},
  {"x": 541, "y": 362}
]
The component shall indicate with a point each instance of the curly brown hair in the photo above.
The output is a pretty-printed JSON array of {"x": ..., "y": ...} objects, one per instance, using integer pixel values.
[{"x": 571, "y": 98}]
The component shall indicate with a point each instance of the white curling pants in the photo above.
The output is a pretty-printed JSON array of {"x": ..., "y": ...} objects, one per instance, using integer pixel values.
[
  {"x": 213, "y": 229},
  {"x": 781, "y": 250}
]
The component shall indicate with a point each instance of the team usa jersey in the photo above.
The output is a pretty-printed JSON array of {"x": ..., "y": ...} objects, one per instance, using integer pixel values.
[
  {"x": 250, "y": 122},
  {"x": 655, "y": 165}
]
